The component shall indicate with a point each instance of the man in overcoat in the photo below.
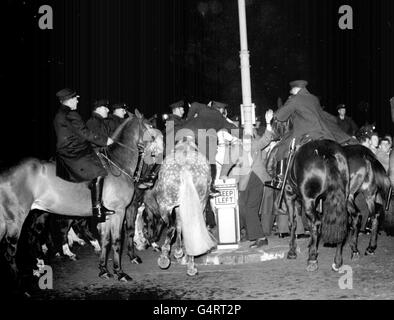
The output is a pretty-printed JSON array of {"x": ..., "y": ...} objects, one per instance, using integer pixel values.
[
  {"x": 98, "y": 122},
  {"x": 76, "y": 160},
  {"x": 310, "y": 122}
]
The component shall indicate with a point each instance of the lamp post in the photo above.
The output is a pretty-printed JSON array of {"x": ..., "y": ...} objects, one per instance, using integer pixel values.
[{"x": 247, "y": 107}]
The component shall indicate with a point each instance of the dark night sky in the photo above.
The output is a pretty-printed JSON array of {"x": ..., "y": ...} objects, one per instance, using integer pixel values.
[{"x": 153, "y": 52}]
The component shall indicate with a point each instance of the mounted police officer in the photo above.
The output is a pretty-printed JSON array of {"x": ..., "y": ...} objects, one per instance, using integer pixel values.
[
  {"x": 98, "y": 121},
  {"x": 310, "y": 122},
  {"x": 176, "y": 116},
  {"x": 117, "y": 116},
  {"x": 201, "y": 116},
  {"x": 76, "y": 160}
]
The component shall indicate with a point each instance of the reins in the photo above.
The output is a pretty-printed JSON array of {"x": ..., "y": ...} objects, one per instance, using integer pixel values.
[{"x": 141, "y": 155}]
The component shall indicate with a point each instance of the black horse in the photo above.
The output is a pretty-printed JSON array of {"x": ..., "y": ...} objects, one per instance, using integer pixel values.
[
  {"x": 367, "y": 176},
  {"x": 319, "y": 173}
]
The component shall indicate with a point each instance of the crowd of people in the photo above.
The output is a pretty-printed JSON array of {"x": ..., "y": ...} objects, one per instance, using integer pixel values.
[{"x": 79, "y": 146}]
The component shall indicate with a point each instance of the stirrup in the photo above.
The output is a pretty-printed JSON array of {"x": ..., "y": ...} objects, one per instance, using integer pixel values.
[
  {"x": 100, "y": 212},
  {"x": 275, "y": 184}
]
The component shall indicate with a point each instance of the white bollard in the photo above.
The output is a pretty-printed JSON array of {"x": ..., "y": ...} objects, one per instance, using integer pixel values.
[{"x": 227, "y": 214}]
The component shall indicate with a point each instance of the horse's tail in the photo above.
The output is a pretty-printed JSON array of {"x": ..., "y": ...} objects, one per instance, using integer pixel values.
[
  {"x": 335, "y": 217},
  {"x": 196, "y": 238}
]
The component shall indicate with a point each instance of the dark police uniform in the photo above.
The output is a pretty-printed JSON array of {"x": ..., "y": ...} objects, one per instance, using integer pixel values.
[
  {"x": 310, "y": 121},
  {"x": 75, "y": 158},
  {"x": 113, "y": 121},
  {"x": 176, "y": 120},
  {"x": 98, "y": 124},
  {"x": 347, "y": 125}
]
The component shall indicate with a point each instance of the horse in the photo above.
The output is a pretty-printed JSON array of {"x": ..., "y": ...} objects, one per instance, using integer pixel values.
[
  {"x": 367, "y": 176},
  {"x": 33, "y": 184},
  {"x": 319, "y": 172},
  {"x": 180, "y": 195}
]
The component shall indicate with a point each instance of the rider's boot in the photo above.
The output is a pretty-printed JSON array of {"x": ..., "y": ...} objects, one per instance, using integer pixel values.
[
  {"x": 98, "y": 209},
  {"x": 277, "y": 182},
  {"x": 213, "y": 192}
]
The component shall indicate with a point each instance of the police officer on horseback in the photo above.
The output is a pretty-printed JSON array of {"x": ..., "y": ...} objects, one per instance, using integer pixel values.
[
  {"x": 310, "y": 122},
  {"x": 98, "y": 121},
  {"x": 117, "y": 116},
  {"x": 76, "y": 160}
]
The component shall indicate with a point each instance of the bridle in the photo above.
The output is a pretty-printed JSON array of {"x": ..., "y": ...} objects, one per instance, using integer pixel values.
[{"x": 141, "y": 147}]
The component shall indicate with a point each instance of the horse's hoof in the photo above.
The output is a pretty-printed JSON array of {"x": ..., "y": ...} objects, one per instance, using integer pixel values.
[
  {"x": 192, "y": 272},
  {"x": 156, "y": 247},
  {"x": 105, "y": 275},
  {"x": 370, "y": 252},
  {"x": 355, "y": 255},
  {"x": 291, "y": 255},
  {"x": 136, "y": 260},
  {"x": 164, "y": 262},
  {"x": 312, "y": 266},
  {"x": 178, "y": 253},
  {"x": 73, "y": 257},
  {"x": 124, "y": 277},
  {"x": 335, "y": 268}
]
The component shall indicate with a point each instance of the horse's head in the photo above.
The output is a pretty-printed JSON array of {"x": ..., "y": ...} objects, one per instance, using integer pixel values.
[{"x": 150, "y": 137}]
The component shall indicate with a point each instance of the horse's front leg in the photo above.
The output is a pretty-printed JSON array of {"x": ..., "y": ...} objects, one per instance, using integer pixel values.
[
  {"x": 12, "y": 234},
  {"x": 338, "y": 260},
  {"x": 116, "y": 222},
  {"x": 178, "y": 252},
  {"x": 191, "y": 269},
  {"x": 315, "y": 227},
  {"x": 131, "y": 214},
  {"x": 105, "y": 230},
  {"x": 164, "y": 260}
]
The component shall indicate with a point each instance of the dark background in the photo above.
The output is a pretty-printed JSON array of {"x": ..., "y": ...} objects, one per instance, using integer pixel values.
[{"x": 151, "y": 53}]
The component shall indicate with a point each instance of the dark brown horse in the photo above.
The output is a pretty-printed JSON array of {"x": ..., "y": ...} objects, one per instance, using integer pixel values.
[
  {"x": 319, "y": 172},
  {"x": 367, "y": 176},
  {"x": 33, "y": 184}
]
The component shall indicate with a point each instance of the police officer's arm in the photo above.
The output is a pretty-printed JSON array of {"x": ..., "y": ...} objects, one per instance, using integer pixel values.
[
  {"x": 284, "y": 113},
  {"x": 78, "y": 127}
]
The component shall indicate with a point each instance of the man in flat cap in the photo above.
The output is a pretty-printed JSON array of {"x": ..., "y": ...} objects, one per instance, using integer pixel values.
[
  {"x": 76, "y": 160},
  {"x": 344, "y": 122},
  {"x": 97, "y": 122},
  {"x": 310, "y": 122},
  {"x": 117, "y": 116}
]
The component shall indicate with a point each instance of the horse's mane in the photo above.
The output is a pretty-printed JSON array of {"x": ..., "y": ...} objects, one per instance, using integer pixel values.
[{"x": 119, "y": 129}]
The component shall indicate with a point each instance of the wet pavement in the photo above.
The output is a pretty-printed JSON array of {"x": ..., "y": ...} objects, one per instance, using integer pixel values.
[{"x": 248, "y": 278}]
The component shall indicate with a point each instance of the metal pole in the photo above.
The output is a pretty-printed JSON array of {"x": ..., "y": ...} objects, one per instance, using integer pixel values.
[{"x": 247, "y": 108}]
